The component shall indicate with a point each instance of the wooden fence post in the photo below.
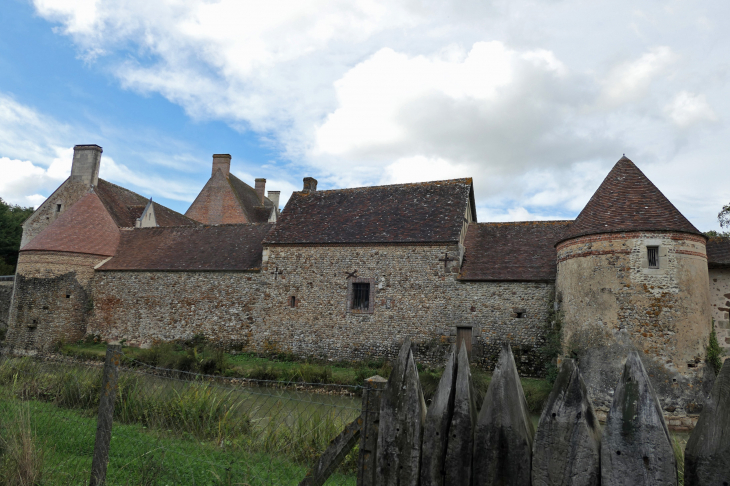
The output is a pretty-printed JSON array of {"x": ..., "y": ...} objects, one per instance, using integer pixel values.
[
  {"x": 374, "y": 387},
  {"x": 106, "y": 415}
]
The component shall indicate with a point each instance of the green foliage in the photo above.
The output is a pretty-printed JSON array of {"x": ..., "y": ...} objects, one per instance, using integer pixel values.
[
  {"x": 553, "y": 344},
  {"x": 714, "y": 234},
  {"x": 723, "y": 217},
  {"x": 3, "y": 333},
  {"x": 11, "y": 231},
  {"x": 714, "y": 351},
  {"x": 678, "y": 448}
]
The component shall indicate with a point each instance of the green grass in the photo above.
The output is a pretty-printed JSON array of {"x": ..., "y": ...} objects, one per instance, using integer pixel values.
[
  {"x": 285, "y": 368},
  {"x": 140, "y": 456},
  {"x": 241, "y": 432}
]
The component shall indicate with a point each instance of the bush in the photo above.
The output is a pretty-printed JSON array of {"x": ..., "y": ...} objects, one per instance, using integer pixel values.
[{"x": 714, "y": 351}]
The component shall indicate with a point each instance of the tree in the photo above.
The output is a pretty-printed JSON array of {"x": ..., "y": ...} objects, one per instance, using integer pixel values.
[
  {"x": 11, "y": 231},
  {"x": 724, "y": 217}
]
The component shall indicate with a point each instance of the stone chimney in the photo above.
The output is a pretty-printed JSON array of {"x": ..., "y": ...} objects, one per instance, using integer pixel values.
[
  {"x": 274, "y": 198},
  {"x": 261, "y": 189},
  {"x": 85, "y": 165},
  {"x": 310, "y": 185},
  {"x": 222, "y": 162}
]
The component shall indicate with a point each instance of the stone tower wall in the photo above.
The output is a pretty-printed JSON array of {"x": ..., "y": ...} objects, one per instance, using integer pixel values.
[
  {"x": 66, "y": 195},
  {"x": 51, "y": 300},
  {"x": 612, "y": 301}
]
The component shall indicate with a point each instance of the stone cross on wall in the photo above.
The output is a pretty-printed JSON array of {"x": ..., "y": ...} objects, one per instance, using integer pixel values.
[
  {"x": 276, "y": 273},
  {"x": 446, "y": 259},
  {"x": 351, "y": 274}
]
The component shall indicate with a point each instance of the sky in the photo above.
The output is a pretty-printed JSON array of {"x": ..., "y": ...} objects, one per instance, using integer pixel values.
[{"x": 535, "y": 100}]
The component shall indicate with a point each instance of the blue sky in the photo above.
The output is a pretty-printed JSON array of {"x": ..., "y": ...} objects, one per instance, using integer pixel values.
[{"x": 533, "y": 99}]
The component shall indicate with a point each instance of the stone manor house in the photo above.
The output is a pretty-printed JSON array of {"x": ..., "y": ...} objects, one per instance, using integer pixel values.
[{"x": 348, "y": 274}]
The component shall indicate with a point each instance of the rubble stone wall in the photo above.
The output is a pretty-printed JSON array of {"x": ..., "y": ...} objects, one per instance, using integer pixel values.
[
  {"x": 6, "y": 292},
  {"x": 52, "y": 299},
  {"x": 415, "y": 295},
  {"x": 720, "y": 305},
  {"x": 613, "y": 302}
]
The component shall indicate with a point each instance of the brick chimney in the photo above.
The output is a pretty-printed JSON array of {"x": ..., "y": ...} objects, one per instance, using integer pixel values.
[
  {"x": 222, "y": 162},
  {"x": 310, "y": 185},
  {"x": 261, "y": 189},
  {"x": 274, "y": 198},
  {"x": 85, "y": 165}
]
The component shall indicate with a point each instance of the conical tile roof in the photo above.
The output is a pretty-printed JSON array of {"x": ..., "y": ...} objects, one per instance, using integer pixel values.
[
  {"x": 628, "y": 201},
  {"x": 85, "y": 227}
]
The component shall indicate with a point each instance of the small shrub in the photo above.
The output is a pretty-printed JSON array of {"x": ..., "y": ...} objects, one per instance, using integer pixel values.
[
  {"x": 714, "y": 351},
  {"x": 265, "y": 372}
]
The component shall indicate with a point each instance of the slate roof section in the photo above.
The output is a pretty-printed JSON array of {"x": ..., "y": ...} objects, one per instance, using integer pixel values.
[
  {"x": 627, "y": 200},
  {"x": 246, "y": 194},
  {"x": 85, "y": 227},
  {"x": 427, "y": 212},
  {"x": 718, "y": 252},
  {"x": 521, "y": 251},
  {"x": 125, "y": 207},
  {"x": 192, "y": 248}
]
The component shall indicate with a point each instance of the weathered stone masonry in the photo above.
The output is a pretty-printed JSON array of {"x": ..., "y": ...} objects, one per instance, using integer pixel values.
[
  {"x": 6, "y": 292},
  {"x": 416, "y": 296},
  {"x": 720, "y": 305}
]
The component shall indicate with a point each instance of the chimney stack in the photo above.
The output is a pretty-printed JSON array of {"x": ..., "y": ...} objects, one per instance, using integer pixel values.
[
  {"x": 85, "y": 165},
  {"x": 274, "y": 198},
  {"x": 222, "y": 162},
  {"x": 261, "y": 189},
  {"x": 310, "y": 185}
]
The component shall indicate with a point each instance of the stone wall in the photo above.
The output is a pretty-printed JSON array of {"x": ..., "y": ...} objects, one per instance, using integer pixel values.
[
  {"x": 613, "y": 302},
  {"x": 51, "y": 301},
  {"x": 720, "y": 305},
  {"x": 6, "y": 292},
  {"x": 415, "y": 295},
  {"x": 66, "y": 195},
  {"x": 149, "y": 307}
]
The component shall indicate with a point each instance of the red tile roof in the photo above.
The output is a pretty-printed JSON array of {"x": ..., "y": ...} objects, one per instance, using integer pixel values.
[
  {"x": 193, "y": 248},
  {"x": 401, "y": 213},
  {"x": 718, "y": 252},
  {"x": 228, "y": 200},
  {"x": 85, "y": 227},
  {"x": 126, "y": 206},
  {"x": 628, "y": 201},
  {"x": 523, "y": 251}
]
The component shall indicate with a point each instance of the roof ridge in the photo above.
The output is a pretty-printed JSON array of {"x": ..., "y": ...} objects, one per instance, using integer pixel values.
[
  {"x": 535, "y": 221},
  {"x": 403, "y": 184}
]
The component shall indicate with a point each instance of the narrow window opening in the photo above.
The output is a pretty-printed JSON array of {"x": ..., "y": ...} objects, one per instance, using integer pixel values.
[
  {"x": 68, "y": 296},
  {"x": 292, "y": 301},
  {"x": 361, "y": 296},
  {"x": 652, "y": 252},
  {"x": 58, "y": 208},
  {"x": 519, "y": 315}
]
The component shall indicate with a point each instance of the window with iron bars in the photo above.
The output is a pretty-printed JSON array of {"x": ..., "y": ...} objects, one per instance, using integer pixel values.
[
  {"x": 360, "y": 298},
  {"x": 652, "y": 253}
]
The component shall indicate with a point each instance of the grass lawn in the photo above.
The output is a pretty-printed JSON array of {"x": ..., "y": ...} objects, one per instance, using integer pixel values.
[
  {"x": 286, "y": 369},
  {"x": 142, "y": 456}
]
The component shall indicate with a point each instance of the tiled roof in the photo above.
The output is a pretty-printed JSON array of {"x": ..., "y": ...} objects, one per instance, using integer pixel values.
[
  {"x": 250, "y": 201},
  {"x": 523, "y": 251},
  {"x": 85, "y": 227},
  {"x": 125, "y": 207},
  {"x": 401, "y": 213},
  {"x": 224, "y": 247},
  {"x": 718, "y": 252},
  {"x": 228, "y": 200},
  {"x": 628, "y": 201}
]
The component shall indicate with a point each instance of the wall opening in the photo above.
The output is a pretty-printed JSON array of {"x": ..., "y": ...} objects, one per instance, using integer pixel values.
[
  {"x": 652, "y": 253},
  {"x": 361, "y": 296},
  {"x": 292, "y": 301}
]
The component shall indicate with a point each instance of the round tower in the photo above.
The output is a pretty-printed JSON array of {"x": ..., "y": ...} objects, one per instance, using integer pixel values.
[{"x": 632, "y": 274}]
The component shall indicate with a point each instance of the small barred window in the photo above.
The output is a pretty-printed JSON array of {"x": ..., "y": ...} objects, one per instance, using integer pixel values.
[
  {"x": 652, "y": 252},
  {"x": 361, "y": 296}
]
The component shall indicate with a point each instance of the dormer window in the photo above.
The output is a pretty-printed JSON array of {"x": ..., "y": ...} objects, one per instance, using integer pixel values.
[{"x": 652, "y": 253}]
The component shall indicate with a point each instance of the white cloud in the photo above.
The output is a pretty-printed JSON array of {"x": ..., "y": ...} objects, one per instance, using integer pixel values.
[
  {"x": 630, "y": 81},
  {"x": 21, "y": 178},
  {"x": 688, "y": 109},
  {"x": 522, "y": 95}
]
